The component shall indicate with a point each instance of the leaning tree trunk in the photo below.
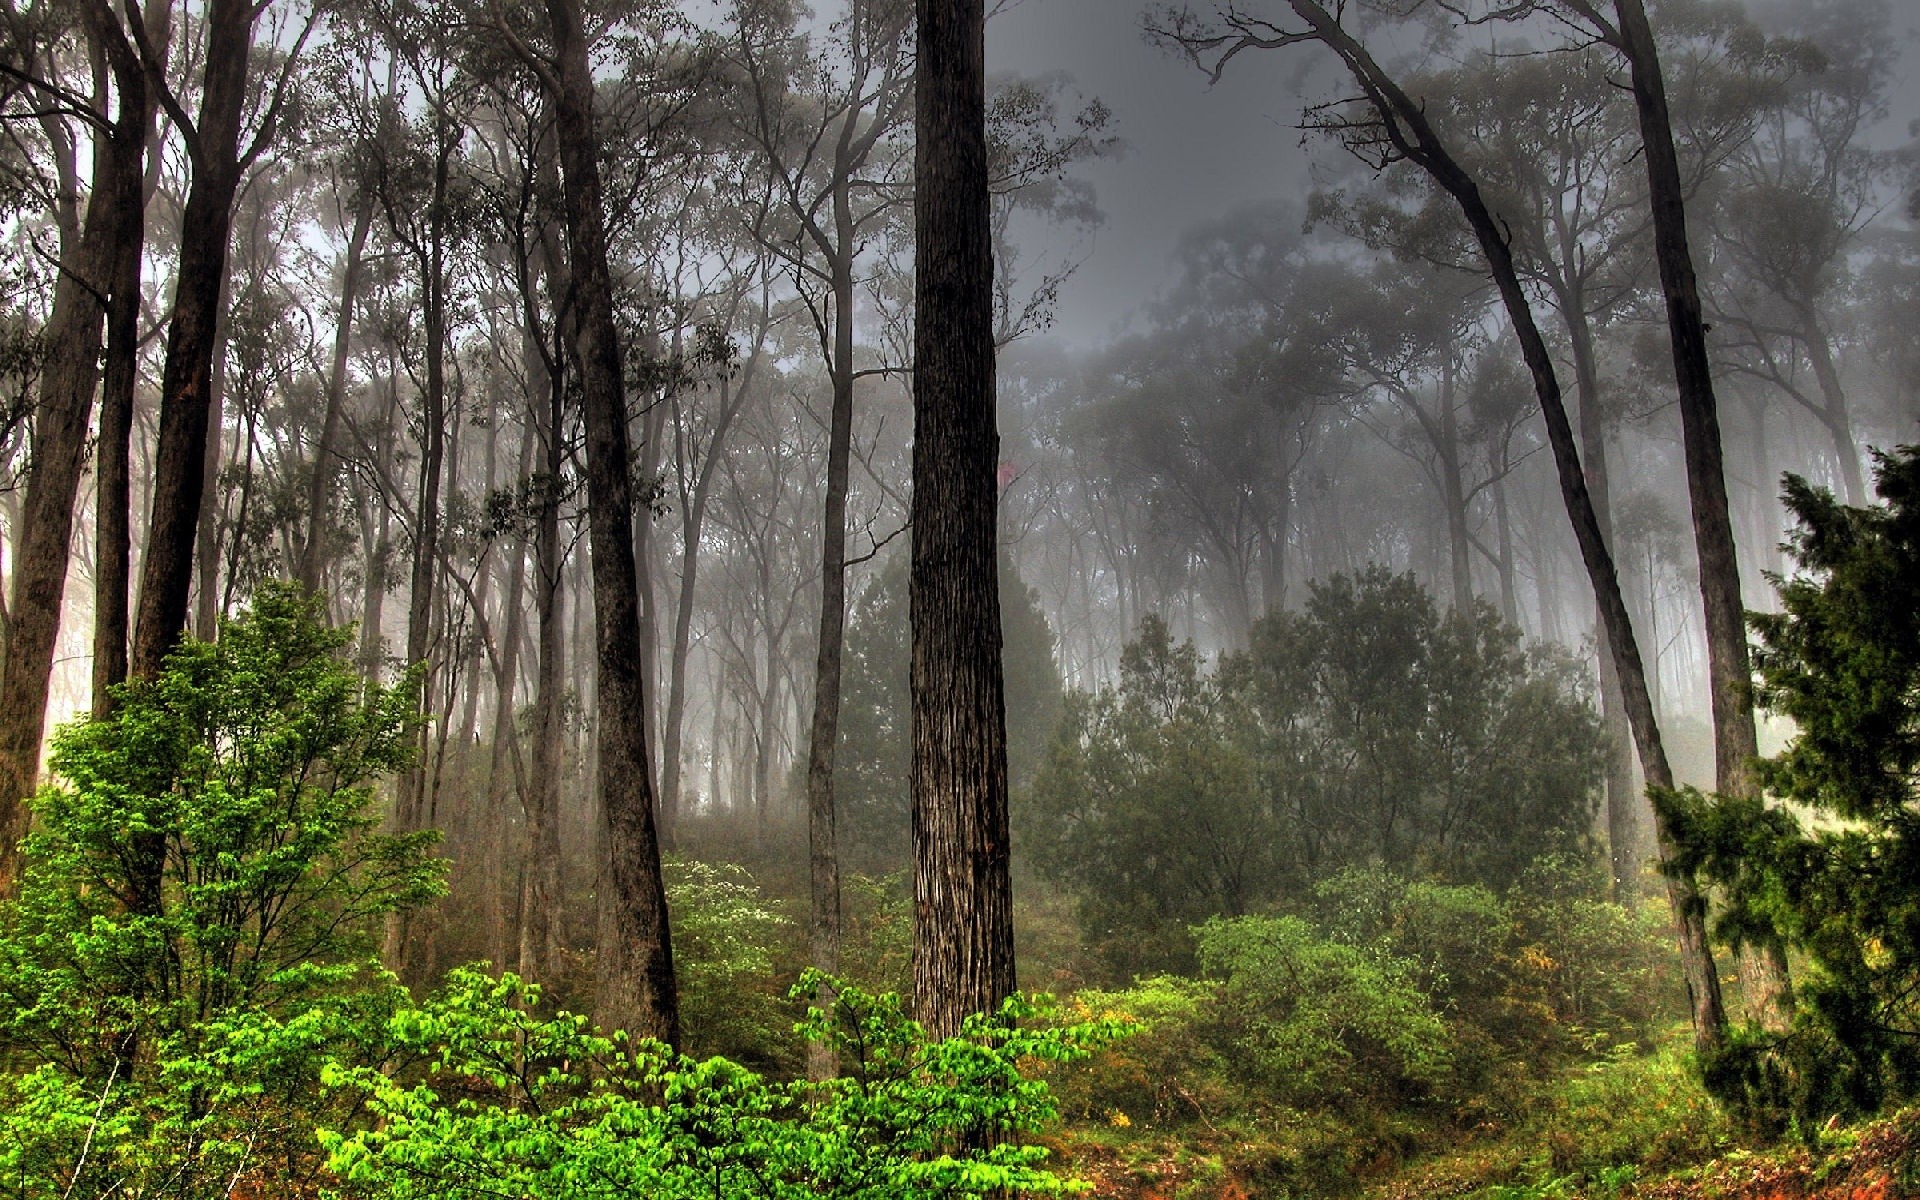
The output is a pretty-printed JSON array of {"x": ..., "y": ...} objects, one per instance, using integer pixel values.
[
  {"x": 636, "y": 985},
  {"x": 1406, "y": 125},
  {"x": 1729, "y": 672},
  {"x": 963, "y": 894}
]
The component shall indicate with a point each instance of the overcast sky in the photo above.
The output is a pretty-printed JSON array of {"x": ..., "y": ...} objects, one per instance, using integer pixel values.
[{"x": 1194, "y": 151}]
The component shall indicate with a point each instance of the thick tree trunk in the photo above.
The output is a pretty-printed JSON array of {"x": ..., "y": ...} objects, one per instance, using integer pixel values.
[
  {"x": 1729, "y": 671},
  {"x": 62, "y": 415},
  {"x": 636, "y": 985},
  {"x": 186, "y": 386},
  {"x": 963, "y": 896}
]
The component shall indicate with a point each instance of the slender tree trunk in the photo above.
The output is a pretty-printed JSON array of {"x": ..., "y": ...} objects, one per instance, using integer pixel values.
[
  {"x": 113, "y": 474},
  {"x": 1459, "y": 544},
  {"x": 1623, "y": 802},
  {"x": 540, "y": 874},
  {"x": 1837, "y": 416},
  {"x": 823, "y": 853},
  {"x": 963, "y": 894},
  {"x": 636, "y": 989},
  {"x": 1413, "y": 135},
  {"x": 1729, "y": 672},
  {"x": 1503, "y": 525},
  {"x": 320, "y": 486}
]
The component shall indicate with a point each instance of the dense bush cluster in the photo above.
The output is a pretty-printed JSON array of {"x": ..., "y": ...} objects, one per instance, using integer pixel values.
[
  {"x": 1835, "y": 872},
  {"x": 1383, "y": 993},
  {"x": 1368, "y": 728}
]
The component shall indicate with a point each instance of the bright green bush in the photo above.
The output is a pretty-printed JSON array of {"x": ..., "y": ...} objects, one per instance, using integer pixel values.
[
  {"x": 196, "y": 921},
  {"x": 728, "y": 941},
  {"x": 516, "y": 1105}
]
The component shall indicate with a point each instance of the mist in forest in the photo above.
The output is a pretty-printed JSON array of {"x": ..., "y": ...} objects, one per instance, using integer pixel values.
[{"x": 1398, "y": 418}]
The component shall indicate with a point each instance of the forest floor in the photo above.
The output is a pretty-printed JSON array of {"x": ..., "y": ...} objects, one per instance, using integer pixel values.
[{"x": 1875, "y": 1160}]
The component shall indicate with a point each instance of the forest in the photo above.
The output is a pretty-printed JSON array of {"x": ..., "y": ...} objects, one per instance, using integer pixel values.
[{"x": 618, "y": 599}]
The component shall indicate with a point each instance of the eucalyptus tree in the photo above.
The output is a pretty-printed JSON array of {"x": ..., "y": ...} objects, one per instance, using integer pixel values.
[
  {"x": 41, "y": 53},
  {"x": 1386, "y": 125},
  {"x": 1796, "y": 204},
  {"x": 635, "y": 968},
  {"x": 963, "y": 892},
  {"x": 829, "y": 121}
]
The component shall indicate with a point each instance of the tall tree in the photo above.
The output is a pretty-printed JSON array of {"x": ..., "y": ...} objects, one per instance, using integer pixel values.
[
  {"x": 218, "y": 162},
  {"x": 963, "y": 891},
  {"x": 636, "y": 963},
  {"x": 62, "y": 411},
  {"x": 1393, "y": 127}
]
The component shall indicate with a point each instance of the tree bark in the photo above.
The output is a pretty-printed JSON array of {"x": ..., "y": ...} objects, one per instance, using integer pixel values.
[
  {"x": 113, "y": 473},
  {"x": 186, "y": 386},
  {"x": 636, "y": 983},
  {"x": 823, "y": 853},
  {"x": 62, "y": 415},
  {"x": 1730, "y": 674},
  {"x": 963, "y": 898}
]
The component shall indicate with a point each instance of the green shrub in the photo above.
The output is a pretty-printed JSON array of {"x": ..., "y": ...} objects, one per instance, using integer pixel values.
[
  {"x": 1319, "y": 1020},
  {"x": 727, "y": 943},
  {"x": 516, "y": 1105},
  {"x": 196, "y": 921}
]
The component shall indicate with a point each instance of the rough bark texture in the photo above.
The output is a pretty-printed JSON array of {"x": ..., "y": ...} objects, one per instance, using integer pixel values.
[
  {"x": 1406, "y": 126},
  {"x": 636, "y": 986},
  {"x": 186, "y": 384},
  {"x": 61, "y": 418},
  {"x": 963, "y": 902},
  {"x": 1730, "y": 674}
]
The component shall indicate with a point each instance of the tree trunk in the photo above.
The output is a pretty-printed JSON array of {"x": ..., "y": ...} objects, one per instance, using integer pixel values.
[
  {"x": 963, "y": 895},
  {"x": 62, "y": 415},
  {"x": 1623, "y": 802},
  {"x": 320, "y": 486},
  {"x": 823, "y": 854},
  {"x": 540, "y": 873},
  {"x": 113, "y": 474},
  {"x": 636, "y": 985},
  {"x": 186, "y": 385},
  {"x": 1729, "y": 672},
  {"x": 1406, "y": 124}
]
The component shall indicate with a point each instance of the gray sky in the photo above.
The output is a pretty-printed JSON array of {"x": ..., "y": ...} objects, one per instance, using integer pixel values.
[{"x": 1193, "y": 151}]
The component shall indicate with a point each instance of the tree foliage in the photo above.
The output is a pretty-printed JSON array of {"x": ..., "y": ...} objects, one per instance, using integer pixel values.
[
  {"x": 1370, "y": 727},
  {"x": 1835, "y": 871},
  {"x": 167, "y": 1044}
]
